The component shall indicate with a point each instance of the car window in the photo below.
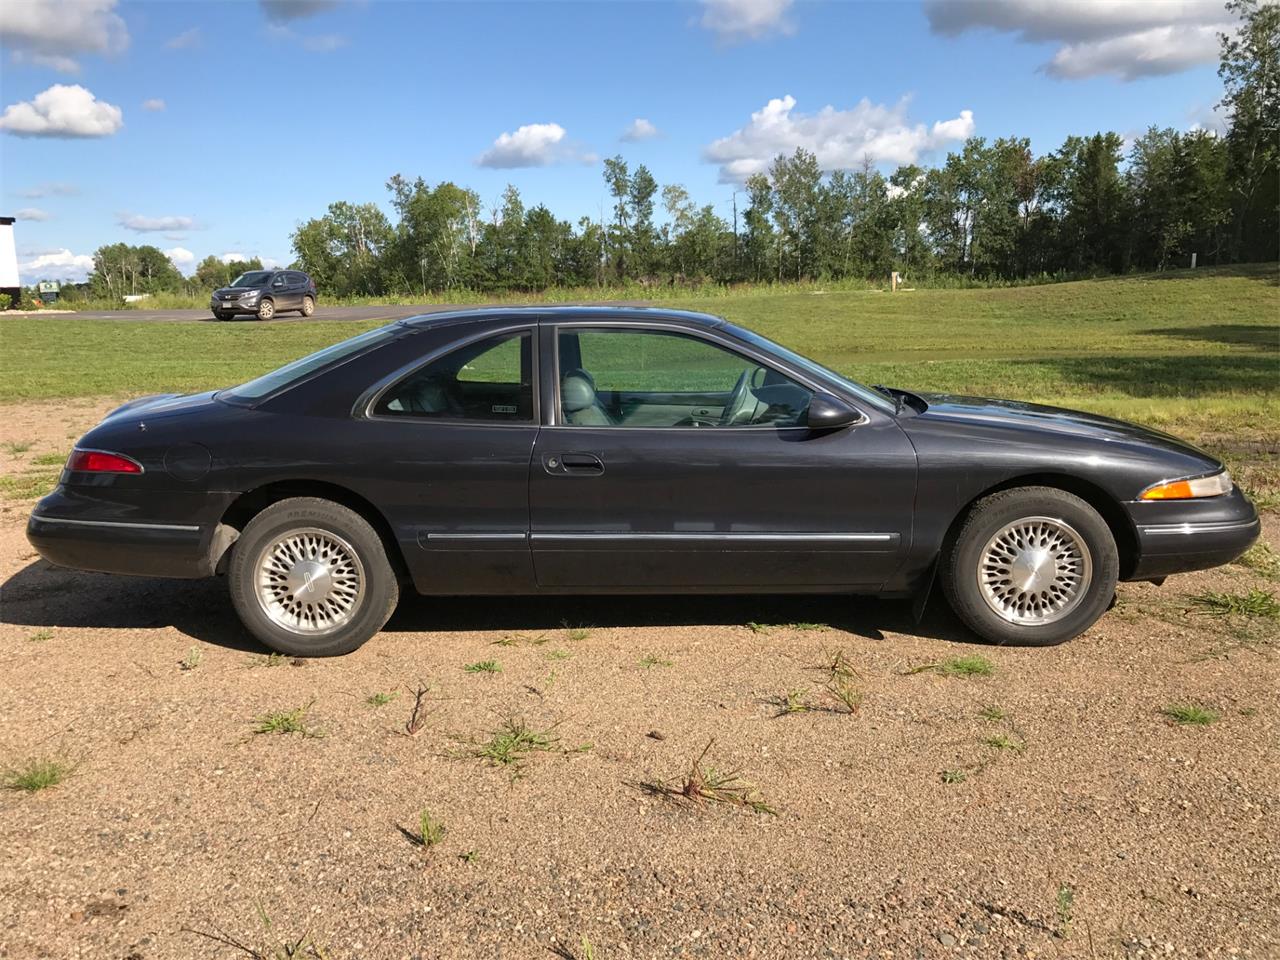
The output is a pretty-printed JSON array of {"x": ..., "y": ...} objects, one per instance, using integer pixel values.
[
  {"x": 491, "y": 380},
  {"x": 298, "y": 370},
  {"x": 650, "y": 378}
]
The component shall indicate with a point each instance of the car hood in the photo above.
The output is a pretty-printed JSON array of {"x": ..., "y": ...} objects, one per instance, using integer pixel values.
[
  {"x": 1050, "y": 421},
  {"x": 236, "y": 290}
]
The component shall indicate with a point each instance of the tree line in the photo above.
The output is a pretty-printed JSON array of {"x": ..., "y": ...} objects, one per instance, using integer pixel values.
[{"x": 992, "y": 211}]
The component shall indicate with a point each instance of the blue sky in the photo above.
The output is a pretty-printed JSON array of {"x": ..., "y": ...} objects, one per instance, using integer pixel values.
[{"x": 268, "y": 111}]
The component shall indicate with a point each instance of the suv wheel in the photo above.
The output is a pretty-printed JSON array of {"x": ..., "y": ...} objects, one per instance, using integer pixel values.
[
  {"x": 1032, "y": 566},
  {"x": 310, "y": 578},
  {"x": 266, "y": 309},
  {"x": 308, "y": 305}
]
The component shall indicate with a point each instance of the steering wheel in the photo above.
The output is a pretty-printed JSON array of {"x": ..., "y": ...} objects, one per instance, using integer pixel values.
[{"x": 737, "y": 401}]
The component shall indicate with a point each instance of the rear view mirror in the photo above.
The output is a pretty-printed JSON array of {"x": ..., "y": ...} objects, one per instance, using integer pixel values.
[{"x": 827, "y": 412}]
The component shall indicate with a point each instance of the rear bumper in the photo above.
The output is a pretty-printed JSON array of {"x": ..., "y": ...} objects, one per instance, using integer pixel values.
[
  {"x": 137, "y": 549},
  {"x": 1179, "y": 536}
]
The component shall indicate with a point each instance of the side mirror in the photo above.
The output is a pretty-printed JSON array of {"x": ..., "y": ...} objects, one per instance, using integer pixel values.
[{"x": 827, "y": 412}]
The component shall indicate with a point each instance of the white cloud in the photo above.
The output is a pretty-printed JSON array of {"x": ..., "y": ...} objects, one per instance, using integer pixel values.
[
  {"x": 181, "y": 257},
  {"x": 62, "y": 111},
  {"x": 1159, "y": 50},
  {"x": 50, "y": 190},
  {"x": 324, "y": 43},
  {"x": 34, "y": 214},
  {"x": 141, "y": 224},
  {"x": 533, "y": 145},
  {"x": 232, "y": 257},
  {"x": 1124, "y": 38},
  {"x": 54, "y": 61},
  {"x": 736, "y": 20},
  {"x": 155, "y": 104},
  {"x": 639, "y": 129},
  {"x": 315, "y": 43},
  {"x": 282, "y": 10},
  {"x": 841, "y": 139},
  {"x": 56, "y": 265},
  {"x": 186, "y": 40},
  {"x": 52, "y": 33}
]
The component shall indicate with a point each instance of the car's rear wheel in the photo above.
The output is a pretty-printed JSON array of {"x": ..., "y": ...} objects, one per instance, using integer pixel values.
[
  {"x": 266, "y": 310},
  {"x": 1031, "y": 566},
  {"x": 310, "y": 578},
  {"x": 308, "y": 306}
]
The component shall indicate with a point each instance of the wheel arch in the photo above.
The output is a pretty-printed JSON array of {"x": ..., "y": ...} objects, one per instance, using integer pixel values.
[
  {"x": 249, "y": 504},
  {"x": 1108, "y": 507}
]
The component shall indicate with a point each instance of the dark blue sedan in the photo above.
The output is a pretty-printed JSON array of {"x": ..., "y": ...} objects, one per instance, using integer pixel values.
[{"x": 609, "y": 450}]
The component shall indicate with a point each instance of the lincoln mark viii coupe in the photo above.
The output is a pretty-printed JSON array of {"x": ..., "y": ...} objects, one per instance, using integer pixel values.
[{"x": 610, "y": 450}]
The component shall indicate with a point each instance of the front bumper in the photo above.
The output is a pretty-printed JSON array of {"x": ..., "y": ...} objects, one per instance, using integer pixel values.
[
  {"x": 1177, "y": 536},
  {"x": 233, "y": 306}
]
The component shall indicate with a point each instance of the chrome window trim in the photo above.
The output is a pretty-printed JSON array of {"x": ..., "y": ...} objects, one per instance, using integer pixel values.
[
  {"x": 186, "y": 528},
  {"x": 708, "y": 336},
  {"x": 364, "y": 408}
]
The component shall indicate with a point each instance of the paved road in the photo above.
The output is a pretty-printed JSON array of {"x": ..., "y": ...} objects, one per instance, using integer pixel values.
[
  {"x": 322, "y": 313},
  {"x": 387, "y": 313}
]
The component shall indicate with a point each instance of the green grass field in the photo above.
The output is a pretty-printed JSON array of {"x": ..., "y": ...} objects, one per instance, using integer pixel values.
[{"x": 1197, "y": 354}]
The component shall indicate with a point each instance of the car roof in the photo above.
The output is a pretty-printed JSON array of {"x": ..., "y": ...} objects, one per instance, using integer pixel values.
[{"x": 563, "y": 313}]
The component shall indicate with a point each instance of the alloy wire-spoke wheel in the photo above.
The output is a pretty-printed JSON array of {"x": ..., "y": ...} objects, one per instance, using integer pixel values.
[
  {"x": 1029, "y": 566},
  {"x": 1034, "y": 571},
  {"x": 310, "y": 581},
  {"x": 308, "y": 306},
  {"x": 266, "y": 310}
]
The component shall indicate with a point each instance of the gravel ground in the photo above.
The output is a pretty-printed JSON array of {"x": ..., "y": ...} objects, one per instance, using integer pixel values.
[{"x": 1083, "y": 823}]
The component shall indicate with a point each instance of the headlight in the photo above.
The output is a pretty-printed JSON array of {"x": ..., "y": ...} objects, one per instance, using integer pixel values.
[
  {"x": 251, "y": 295},
  {"x": 1211, "y": 486}
]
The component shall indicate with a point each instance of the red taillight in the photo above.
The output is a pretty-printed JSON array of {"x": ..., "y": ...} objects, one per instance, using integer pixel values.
[{"x": 98, "y": 461}]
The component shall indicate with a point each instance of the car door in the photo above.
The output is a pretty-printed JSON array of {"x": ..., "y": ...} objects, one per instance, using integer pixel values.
[
  {"x": 280, "y": 293},
  {"x": 655, "y": 470},
  {"x": 447, "y": 445}
]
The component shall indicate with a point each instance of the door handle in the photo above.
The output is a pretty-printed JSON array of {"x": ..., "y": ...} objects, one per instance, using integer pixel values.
[{"x": 578, "y": 464}]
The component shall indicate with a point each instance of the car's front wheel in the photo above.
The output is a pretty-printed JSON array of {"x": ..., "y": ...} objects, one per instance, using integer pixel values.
[
  {"x": 266, "y": 310},
  {"x": 1030, "y": 566},
  {"x": 311, "y": 578}
]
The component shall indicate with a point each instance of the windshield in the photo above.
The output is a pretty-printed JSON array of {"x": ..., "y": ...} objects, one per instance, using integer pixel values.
[
  {"x": 292, "y": 373},
  {"x": 254, "y": 278},
  {"x": 873, "y": 397}
]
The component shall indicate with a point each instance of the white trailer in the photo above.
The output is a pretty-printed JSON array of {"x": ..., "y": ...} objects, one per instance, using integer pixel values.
[{"x": 9, "y": 284}]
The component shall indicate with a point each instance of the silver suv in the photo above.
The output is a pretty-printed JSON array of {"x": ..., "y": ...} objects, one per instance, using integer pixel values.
[{"x": 264, "y": 293}]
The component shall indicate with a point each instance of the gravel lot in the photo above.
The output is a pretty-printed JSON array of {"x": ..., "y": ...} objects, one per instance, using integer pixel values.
[{"x": 1083, "y": 823}]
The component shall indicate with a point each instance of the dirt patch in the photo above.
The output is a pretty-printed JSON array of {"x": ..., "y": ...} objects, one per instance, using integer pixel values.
[{"x": 1050, "y": 808}]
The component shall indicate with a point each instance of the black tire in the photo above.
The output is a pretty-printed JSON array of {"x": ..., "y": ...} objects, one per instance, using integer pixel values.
[
  {"x": 222, "y": 315},
  {"x": 308, "y": 306},
  {"x": 960, "y": 565},
  {"x": 377, "y": 596},
  {"x": 266, "y": 309}
]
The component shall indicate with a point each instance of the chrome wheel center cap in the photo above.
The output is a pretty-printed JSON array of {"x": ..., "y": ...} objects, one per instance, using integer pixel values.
[
  {"x": 309, "y": 581},
  {"x": 1033, "y": 570}
]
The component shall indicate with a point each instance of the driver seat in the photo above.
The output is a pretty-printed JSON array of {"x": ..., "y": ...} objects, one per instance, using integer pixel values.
[{"x": 579, "y": 402}]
